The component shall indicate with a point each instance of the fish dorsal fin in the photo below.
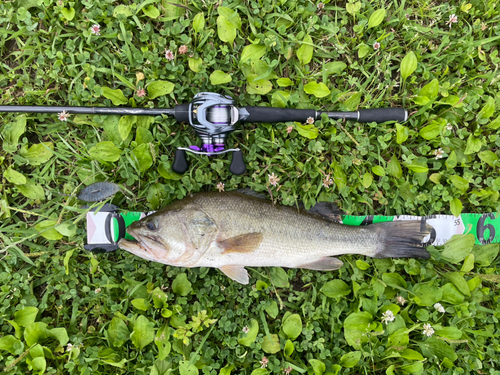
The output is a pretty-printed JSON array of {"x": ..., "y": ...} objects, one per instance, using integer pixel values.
[
  {"x": 236, "y": 273},
  {"x": 323, "y": 264},
  {"x": 327, "y": 210},
  {"x": 251, "y": 193},
  {"x": 243, "y": 243}
]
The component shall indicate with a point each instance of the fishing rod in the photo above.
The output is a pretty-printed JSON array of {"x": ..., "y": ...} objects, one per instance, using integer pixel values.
[{"x": 213, "y": 116}]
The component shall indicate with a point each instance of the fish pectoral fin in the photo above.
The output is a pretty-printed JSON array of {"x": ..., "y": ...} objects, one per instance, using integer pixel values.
[
  {"x": 243, "y": 243},
  {"x": 236, "y": 273},
  {"x": 323, "y": 264}
]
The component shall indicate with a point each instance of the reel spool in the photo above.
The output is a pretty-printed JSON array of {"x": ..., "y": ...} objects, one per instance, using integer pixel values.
[{"x": 212, "y": 116}]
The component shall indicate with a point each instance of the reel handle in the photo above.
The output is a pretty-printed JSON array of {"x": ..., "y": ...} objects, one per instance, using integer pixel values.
[
  {"x": 180, "y": 164},
  {"x": 237, "y": 163}
]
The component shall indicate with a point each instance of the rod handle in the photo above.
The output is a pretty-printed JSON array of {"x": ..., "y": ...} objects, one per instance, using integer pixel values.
[
  {"x": 270, "y": 114},
  {"x": 382, "y": 115}
]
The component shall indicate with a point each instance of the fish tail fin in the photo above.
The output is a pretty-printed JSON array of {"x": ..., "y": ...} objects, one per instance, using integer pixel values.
[{"x": 402, "y": 239}]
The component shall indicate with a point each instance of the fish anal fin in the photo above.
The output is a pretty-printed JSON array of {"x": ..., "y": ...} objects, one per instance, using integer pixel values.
[
  {"x": 236, "y": 273},
  {"x": 243, "y": 243},
  {"x": 323, "y": 264}
]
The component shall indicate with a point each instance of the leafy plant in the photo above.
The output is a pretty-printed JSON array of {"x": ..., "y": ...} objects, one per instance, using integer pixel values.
[{"x": 65, "y": 310}]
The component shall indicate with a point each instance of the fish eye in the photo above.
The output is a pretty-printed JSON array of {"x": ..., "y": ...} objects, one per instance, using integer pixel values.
[{"x": 152, "y": 225}]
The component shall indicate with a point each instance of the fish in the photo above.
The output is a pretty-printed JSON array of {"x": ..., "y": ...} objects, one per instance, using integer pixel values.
[{"x": 232, "y": 230}]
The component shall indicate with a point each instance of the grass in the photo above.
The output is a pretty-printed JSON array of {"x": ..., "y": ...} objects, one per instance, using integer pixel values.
[{"x": 66, "y": 311}]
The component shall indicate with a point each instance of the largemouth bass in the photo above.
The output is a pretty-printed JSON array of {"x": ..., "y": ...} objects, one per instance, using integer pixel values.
[{"x": 231, "y": 230}]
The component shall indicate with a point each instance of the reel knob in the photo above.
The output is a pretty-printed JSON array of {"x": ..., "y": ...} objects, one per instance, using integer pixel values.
[
  {"x": 180, "y": 164},
  {"x": 237, "y": 163}
]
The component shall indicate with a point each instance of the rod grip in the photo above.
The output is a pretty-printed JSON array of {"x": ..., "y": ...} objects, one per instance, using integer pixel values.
[
  {"x": 270, "y": 114},
  {"x": 382, "y": 115}
]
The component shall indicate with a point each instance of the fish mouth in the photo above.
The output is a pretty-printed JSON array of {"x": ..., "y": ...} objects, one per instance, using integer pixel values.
[
  {"x": 135, "y": 247},
  {"x": 146, "y": 247}
]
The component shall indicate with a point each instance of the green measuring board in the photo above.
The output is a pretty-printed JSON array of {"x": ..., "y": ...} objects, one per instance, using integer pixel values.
[
  {"x": 485, "y": 227},
  {"x": 106, "y": 228}
]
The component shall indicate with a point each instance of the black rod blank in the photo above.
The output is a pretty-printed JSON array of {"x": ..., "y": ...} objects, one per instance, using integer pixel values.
[{"x": 88, "y": 110}]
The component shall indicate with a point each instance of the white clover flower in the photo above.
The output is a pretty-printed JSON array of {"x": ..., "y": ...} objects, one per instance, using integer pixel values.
[
  {"x": 327, "y": 181},
  {"x": 310, "y": 120},
  {"x": 388, "y": 316},
  {"x": 245, "y": 329},
  {"x": 273, "y": 179},
  {"x": 453, "y": 19},
  {"x": 428, "y": 330},
  {"x": 63, "y": 116},
  {"x": 220, "y": 187},
  {"x": 439, "y": 153},
  {"x": 439, "y": 307},
  {"x": 95, "y": 29},
  {"x": 264, "y": 362},
  {"x": 169, "y": 55},
  {"x": 401, "y": 300}
]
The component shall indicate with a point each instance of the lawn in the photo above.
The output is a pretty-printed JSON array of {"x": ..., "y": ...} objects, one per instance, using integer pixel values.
[{"x": 64, "y": 310}]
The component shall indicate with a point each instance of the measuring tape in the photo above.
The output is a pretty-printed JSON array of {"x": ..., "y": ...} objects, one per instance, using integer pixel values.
[{"x": 109, "y": 225}]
